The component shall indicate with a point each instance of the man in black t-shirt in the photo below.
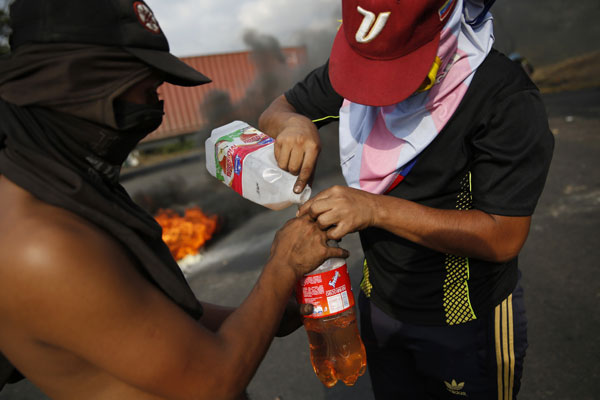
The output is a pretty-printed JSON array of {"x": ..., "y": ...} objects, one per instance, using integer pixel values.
[{"x": 445, "y": 146}]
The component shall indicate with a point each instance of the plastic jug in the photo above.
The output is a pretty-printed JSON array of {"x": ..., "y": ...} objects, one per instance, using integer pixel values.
[{"x": 243, "y": 158}]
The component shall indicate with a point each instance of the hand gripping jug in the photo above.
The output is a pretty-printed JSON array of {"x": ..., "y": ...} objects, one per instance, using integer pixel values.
[
  {"x": 336, "y": 349},
  {"x": 242, "y": 157}
]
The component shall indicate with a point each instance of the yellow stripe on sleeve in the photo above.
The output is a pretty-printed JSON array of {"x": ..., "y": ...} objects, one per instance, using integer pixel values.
[{"x": 324, "y": 118}]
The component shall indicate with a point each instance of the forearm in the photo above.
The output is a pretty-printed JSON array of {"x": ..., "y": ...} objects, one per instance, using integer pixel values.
[
  {"x": 228, "y": 358},
  {"x": 471, "y": 233},
  {"x": 247, "y": 333}
]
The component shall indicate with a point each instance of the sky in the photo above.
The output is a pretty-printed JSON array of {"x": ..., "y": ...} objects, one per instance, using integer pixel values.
[{"x": 200, "y": 27}]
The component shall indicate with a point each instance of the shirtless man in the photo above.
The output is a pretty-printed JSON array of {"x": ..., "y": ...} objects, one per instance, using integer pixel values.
[{"x": 91, "y": 304}]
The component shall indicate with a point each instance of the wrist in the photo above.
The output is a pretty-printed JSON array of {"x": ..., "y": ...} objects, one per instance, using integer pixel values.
[
  {"x": 295, "y": 123},
  {"x": 380, "y": 213},
  {"x": 285, "y": 275}
]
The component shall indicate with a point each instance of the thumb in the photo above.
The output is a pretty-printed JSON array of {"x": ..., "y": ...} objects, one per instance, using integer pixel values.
[
  {"x": 337, "y": 252},
  {"x": 306, "y": 309}
]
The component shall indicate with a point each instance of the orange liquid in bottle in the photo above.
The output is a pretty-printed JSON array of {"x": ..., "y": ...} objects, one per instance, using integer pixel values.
[{"x": 336, "y": 349}]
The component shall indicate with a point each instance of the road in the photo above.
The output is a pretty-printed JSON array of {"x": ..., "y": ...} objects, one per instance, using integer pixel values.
[{"x": 559, "y": 262}]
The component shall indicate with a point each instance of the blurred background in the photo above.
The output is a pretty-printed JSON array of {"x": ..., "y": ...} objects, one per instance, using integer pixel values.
[{"x": 254, "y": 50}]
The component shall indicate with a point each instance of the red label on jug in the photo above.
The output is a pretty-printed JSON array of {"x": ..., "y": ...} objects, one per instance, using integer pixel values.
[
  {"x": 329, "y": 292},
  {"x": 232, "y": 149}
]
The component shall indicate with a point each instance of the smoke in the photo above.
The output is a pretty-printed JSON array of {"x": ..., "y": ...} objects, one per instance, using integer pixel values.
[
  {"x": 265, "y": 48},
  {"x": 318, "y": 46},
  {"x": 218, "y": 109},
  {"x": 273, "y": 77}
]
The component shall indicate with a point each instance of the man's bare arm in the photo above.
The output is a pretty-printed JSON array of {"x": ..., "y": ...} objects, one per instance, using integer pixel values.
[{"x": 214, "y": 315}]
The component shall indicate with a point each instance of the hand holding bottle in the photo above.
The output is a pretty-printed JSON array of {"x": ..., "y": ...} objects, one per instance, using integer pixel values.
[{"x": 301, "y": 246}]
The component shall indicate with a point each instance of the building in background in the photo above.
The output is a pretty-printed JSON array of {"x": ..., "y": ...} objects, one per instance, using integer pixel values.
[{"x": 243, "y": 83}]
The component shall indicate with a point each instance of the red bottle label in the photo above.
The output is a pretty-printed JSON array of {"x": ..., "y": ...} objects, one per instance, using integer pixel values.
[{"x": 329, "y": 292}]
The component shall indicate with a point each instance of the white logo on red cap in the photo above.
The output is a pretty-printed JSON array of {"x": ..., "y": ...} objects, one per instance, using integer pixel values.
[
  {"x": 368, "y": 30},
  {"x": 146, "y": 17}
]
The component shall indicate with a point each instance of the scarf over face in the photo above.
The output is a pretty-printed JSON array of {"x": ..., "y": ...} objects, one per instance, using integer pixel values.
[
  {"x": 63, "y": 138},
  {"x": 379, "y": 145}
]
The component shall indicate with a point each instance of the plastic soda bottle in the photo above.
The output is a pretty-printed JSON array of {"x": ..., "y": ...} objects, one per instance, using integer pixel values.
[
  {"x": 243, "y": 158},
  {"x": 336, "y": 349}
]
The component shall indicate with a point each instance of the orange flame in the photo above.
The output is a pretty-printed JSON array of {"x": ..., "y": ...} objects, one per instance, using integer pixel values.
[{"x": 186, "y": 235}]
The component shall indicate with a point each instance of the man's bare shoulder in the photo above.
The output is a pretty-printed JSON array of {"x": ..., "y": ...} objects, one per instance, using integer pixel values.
[
  {"x": 50, "y": 254},
  {"x": 48, "y": 237}
]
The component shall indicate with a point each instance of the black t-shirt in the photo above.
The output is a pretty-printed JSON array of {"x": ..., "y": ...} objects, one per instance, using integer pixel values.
[{"x": 493, "y": 155}]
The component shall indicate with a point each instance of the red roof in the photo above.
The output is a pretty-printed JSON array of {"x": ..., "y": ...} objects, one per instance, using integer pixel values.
[{"x": 232, "y": 73}]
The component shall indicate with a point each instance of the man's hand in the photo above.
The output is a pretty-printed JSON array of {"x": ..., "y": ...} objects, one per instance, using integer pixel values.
[
  {"x": 341, "y": 210},
  {"x": 302, "y": 246},
  {"x": 297, "y": 142},
  {"x": 297, "y": 148},
  {"x": 292, "y": 316}
]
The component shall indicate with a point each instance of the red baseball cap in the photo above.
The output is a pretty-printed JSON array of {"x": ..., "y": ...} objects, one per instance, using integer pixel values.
[{"x": 385, "y": 48}]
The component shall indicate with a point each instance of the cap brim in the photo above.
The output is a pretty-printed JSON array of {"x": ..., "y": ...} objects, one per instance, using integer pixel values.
[
  {"x": 176, "y": 71},
  {"x": 378, "y": 82}
]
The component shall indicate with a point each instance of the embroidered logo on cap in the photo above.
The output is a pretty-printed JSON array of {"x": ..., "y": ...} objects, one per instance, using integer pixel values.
[
  {"x": 146, "y": 17},
  {"x": 370, "y": 27}
]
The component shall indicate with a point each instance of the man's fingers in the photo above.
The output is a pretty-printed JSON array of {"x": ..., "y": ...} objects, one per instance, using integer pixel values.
[
  {"x": 316, "y": 206},
  {"x": 308, "y": 166},
  {"x": 325, "y": 218},
  {"x": 303, "y": 179},
  {"x": 336, "y": 232},
  {"x": 299, "y": 185},
  {"x": 306, "y": 309},
  {"x": 337, "y": 252},
  {"x": 304, "y": 208},
  {"x": 295, "y": 162},
  {"x": 282, "y": 155}
]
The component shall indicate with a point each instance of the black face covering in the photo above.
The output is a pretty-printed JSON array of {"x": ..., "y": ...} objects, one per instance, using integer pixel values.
[
  {"x": 138, "y": 119},
  {"x": 134, "y": 122}
]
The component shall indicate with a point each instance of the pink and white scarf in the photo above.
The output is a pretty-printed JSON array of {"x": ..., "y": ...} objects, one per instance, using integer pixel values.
[{"x": 379, "y": 144}]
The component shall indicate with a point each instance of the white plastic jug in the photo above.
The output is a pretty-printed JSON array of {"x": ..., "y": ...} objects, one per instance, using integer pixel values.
[{"x": 242, "y": 157}]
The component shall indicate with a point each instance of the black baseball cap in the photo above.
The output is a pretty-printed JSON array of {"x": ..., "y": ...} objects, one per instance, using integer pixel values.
[{"x": 129, "y": 24}]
